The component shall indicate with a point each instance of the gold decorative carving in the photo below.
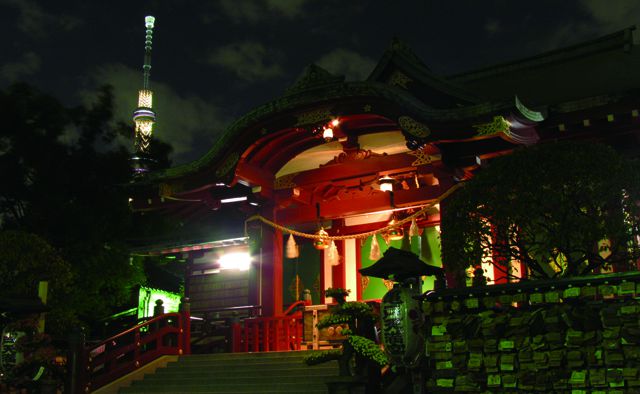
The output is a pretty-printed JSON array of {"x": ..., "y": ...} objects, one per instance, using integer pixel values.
[
  {"x": 364, "y": 282},
  {"x": 168, "y": 190},
  {"x": 165, "y": 190},
  {"x": 352, "y": 155},
  {"x": 228, "y": 164},
  {"x": 498, "y": 125},
  {"x": 399, "y": 79},
  {"x": 284, "y": 182},
  {"x": 367, "y": 108},
  {"x": 296, "y": 287},
  {"x": 422, "y": 157},
  {"x": 388, "y": 283},
  {"x": 413, "y": 127},
  {"x": 312, "y": 117}
]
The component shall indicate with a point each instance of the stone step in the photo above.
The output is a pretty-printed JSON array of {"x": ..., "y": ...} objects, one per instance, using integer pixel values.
[
  {"x": 265, "y": 379},
  {"x": 223, "y": 371},
  {"x": 265, "y": 373},
  {"x": 231, "y": 357},
  {"x": 236, "y": 387},
  {"x": 232, "y": 365}
]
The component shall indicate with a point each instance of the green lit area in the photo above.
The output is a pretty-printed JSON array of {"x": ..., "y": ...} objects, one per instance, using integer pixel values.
[
  {"x": 147, "y": 298},
  {"x": 375, "y": 287}
]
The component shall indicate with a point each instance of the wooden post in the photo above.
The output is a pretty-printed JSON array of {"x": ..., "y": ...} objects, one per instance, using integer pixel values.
[
  {"x": 43, "y": 291},
  {"x": 77, "y": 378},
  {"x": 185, "y": 311}
]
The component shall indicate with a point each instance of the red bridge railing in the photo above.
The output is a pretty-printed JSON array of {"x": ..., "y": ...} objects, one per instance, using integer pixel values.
[
  {"x": 268, "y": 334},
  {"x": 166, "y": 334}
]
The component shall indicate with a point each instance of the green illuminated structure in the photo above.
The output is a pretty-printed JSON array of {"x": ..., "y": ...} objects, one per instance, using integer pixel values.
[{"x": 147, "y": 298}]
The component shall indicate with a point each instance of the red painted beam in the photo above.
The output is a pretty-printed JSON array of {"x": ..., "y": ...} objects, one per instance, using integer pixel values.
[
  {"x": 358, "y": 168},
  {"x": 253, "y": 174},
  {"x": 374, "y": 202}
]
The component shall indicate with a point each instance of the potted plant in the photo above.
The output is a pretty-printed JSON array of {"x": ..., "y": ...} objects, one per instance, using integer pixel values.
[
  {"x": 360, "y": 356},
  {"x": 338, "y": 294}
]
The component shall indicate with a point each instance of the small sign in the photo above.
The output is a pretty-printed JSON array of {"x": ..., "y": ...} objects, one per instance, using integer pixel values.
[
  {"x": 536, "y": 298},
  {"x": 438, "y": 331},
  {"x": 571, "y": 292},
  {"x": 444, "y": 382},
  {"x": 506, "y": 345},
  {"x": 578, "y": 377},
  {"x": 444, "y": 365},
  {"x": 494, "y": 380}
]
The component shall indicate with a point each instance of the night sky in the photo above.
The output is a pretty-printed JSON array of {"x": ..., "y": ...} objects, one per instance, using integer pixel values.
[{"x": 215, "y": 60}]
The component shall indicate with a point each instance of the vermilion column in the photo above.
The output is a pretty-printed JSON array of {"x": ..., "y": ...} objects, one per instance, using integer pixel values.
[{"x": 268, "y": 264}]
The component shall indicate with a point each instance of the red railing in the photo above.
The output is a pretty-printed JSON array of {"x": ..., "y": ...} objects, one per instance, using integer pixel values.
[
  {"x": 167, "y": 334},
  {"x": 268, "y": 334}
]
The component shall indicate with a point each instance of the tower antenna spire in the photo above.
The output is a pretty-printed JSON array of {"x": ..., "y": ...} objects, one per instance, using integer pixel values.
[{"x": 144, "y": 117}]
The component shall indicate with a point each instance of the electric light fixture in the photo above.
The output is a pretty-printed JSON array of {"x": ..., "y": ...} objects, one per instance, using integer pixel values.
[
  {"x": 386, "y": 183},
  {"x": 327, "y": 134}
]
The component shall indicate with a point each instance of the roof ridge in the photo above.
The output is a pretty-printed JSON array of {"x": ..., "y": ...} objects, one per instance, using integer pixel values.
[
  {"x": 622, "y": 39},
  {"x": 400, "y": 53},
  {"x": 313, "y": 76}
]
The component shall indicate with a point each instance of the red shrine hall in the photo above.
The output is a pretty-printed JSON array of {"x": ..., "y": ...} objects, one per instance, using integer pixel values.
[{"x": 303, "y": 191}]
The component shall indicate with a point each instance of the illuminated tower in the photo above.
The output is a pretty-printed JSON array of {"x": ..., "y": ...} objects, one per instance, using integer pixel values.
[{"x": 143, "y": 116}]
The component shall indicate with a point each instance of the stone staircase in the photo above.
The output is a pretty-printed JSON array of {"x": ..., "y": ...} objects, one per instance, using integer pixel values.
[{"x": 226, "y": 373}]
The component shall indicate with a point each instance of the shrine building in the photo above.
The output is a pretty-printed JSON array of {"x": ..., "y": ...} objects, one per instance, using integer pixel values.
[{"x": 303, "y": 191}]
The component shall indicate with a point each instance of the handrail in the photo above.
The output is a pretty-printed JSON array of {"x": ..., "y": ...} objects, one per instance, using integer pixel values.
[
  {"x": 295, "y": 305},
  {"x": 267, "y": 334},
  {"x": 250, "y": 308},
  {"x": 166, "y": 334}
]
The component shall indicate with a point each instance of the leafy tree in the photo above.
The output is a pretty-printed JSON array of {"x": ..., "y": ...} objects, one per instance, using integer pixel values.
[
  {"x": 562, "y": 209},
  {"x": 64, "y": 176}
]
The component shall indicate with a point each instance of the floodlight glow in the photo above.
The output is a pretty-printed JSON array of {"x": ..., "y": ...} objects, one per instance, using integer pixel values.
[{"x": 240, "y": 261}]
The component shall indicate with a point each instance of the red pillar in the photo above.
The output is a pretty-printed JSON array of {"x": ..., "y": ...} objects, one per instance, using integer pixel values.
[
  {"x": 271, "y": 271},
  {"x": 337, "y": 271}
]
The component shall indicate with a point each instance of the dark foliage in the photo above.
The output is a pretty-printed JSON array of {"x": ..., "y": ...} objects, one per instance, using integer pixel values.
[
  {"x": 562, "y": 209},
  {"x": 64, "y": 173}
]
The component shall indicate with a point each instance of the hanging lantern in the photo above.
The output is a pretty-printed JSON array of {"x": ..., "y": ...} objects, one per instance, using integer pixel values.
[
  {"x": 332, "y": 255},
  {"x": 374, "y": 253},
  {"x": 292, "y": 248},
  {"x": 394, "y": 233},
  {"x": 321, "y": 242}
]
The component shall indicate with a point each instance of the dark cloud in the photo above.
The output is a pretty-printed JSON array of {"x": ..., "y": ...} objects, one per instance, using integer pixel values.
[
  {"x": 612, "y": 16},
  {"x": 492, "y": 26},
  {"x": 35, "y": 21},
  {"x": 253, "y": 11},
  {"x": 352, "y": 65},
  {"x": 248, "y": 60},
  {"x": 17, "y": 70}
]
